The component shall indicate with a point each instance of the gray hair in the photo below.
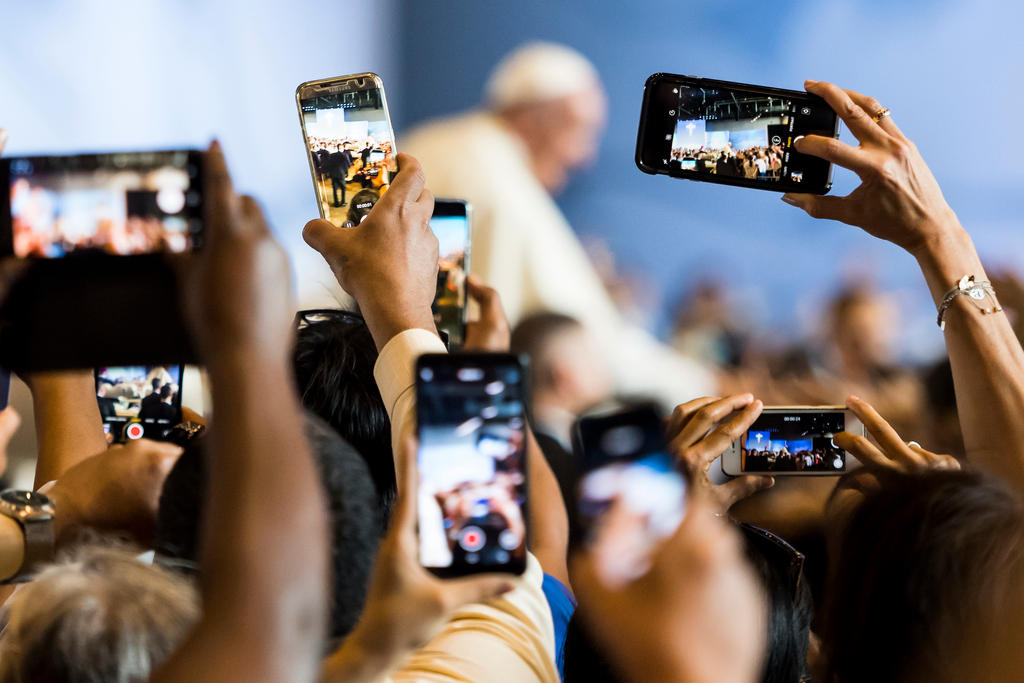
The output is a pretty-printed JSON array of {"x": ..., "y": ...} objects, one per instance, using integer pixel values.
[{"x": 97, "y": 616}]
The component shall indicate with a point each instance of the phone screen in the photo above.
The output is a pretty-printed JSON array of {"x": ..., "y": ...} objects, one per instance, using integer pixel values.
[
  {"x": 350, "y": 144},
  {"x": 794, "y": 442},
  {"x": 472, "y": 469},
  {"x": 148, "y": 396},
  {"x": 120, "y": 204},
  {"x": 626, "y": 465},
  {"x": 723, "y": 132},
  {"x": 450, "y": 224}
]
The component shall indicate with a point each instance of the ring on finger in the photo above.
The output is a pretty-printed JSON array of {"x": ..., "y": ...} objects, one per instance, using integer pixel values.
[{"x": 881, "y": 114}]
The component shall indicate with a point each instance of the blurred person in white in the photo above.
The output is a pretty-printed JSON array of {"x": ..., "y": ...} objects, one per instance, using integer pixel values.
[{"x": 543, "y": 113}]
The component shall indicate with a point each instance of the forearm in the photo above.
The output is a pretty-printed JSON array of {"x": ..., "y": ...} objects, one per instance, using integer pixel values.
[
  {"x": 69, "y": 428},
  {"x": 386, "y": 319},
  {"x": 986, "y": 358},
  {"x": 361, "y": 661},
  {"x": 549, "y": 523},
  {"x": 265, "y": 538}
]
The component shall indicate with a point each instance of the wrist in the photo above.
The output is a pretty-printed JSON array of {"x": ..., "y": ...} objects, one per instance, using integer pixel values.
[
  {"x": 362, "y": 657},
  {"x": 388, "y": 319}
]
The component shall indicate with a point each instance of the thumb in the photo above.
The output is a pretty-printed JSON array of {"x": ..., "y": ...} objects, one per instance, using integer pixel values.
[
  {"x": 820, "y": 206},
  {"x": 10, "y": 420},
  {"x": 325, "y": 237},
  {"x": 466, "y": 591},
  {"x": 744, "y": 487}
]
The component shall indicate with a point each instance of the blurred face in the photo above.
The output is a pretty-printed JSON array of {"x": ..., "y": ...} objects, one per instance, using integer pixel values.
[
  {"x": 866, "y": 332},
  {"x": 584, "y": 379}
]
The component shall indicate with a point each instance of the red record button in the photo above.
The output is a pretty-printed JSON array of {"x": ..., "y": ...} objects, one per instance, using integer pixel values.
[
  {"x": 134, "y": 431},
  {"x": 472, "y": 539}
]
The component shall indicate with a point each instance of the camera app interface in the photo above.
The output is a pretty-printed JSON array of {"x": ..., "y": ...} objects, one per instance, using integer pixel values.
[
  {"x": 121, "y": 204},
  {"x": 149, "y": 393},
  {"x": 629, "y": 470},
  {"x": 472, "y": 476},
  {"x": 743, "y": 135},
  {"x": 452, "y": 237},
  {"x": 794, "y": 442},
  {"x": 353, "y": 152}
]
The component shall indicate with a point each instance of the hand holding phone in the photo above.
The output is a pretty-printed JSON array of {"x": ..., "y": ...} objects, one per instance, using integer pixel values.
[
  {"x": 794, "y": 441},
  {"x": 733, "y": 133},
  {"x": 471, "y": 425}
]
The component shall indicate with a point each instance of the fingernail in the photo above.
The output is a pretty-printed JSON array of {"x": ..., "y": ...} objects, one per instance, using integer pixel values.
[
  {"x": 853, "y": 398},
  {"x": 790, "y": 199},
  {"x": 797, "y": 139},
  {"x": 810, "y": 82},
  {"x": 913, "y": 444}
]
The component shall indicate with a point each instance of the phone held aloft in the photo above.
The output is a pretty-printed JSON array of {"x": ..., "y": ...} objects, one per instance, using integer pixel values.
[
  {"x": 471, "y": 424},
  {"x": 106, "y": 220},
  {"x": 732, "y": 133},
  {"x": 349, "y": 143},
  {"x": 794, "y": 441},
  {"x": 451, "y": 224}
]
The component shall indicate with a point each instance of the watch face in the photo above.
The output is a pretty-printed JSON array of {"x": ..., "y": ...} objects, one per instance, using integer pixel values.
[
  {"x": 26, "y": 498},
  {"x": 976, "y": 293}
]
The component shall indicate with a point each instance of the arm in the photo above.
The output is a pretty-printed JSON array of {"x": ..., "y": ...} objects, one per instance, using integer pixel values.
[
  {"x": 69, "y": 428},
  {"x": 900, "y": 201},
  {"x": 264, "y": 556}
]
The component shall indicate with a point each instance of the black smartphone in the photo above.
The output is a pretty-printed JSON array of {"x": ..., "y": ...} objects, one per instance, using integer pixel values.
[
  {"x": 452, "y": 224},
  {"x": 350, "y": 144},
  {"x": 732, "y": 133},
  {"x": 472, "y": 463},
  {"x": 625, "y": 462},
  {"x": 94, "y": 232},
  {"x": 5, "y": 388},
  {"x": 139, "y": 401}
]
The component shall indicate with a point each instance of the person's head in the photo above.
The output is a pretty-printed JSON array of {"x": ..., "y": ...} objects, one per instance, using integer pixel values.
[
  {"x": 165, "y": 392},
  {"x": 156, "y": 384},
  {"x": 551, "y": 97},
  {"x": 566, "y": 364},
  {"x": 96, "y": 615},
  {"x": 352, "y": 504},
  {"x": 361, "y": 204},
  {"x": 333, "y": 359},
  {"x": 790, "y": 607},
  {"x": 924, "y": 577},
  {"x": 861, "y": 326}
]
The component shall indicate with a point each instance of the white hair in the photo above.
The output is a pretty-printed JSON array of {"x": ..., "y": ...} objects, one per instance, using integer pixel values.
[
  {"x": 538, "y": 72},
  {"x": 97, "y": 616}
]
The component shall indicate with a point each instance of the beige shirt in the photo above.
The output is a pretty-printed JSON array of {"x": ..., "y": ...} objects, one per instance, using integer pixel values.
[
  {"x": 506, "y": 640},
  {"x": 524, "y": 248}
]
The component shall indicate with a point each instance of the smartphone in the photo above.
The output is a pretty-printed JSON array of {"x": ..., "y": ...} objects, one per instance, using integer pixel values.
[
  {"x": 139, "y": 400},
  {"x": 349, "y": 143},
  {"x": 94, "y": 232},
  {"x": 794, "y": 440},
  {"x": 5, "y": 388},
  {"x": 733, "y": 133},
  {"x": 452, "y": 225},
  {"x": 625, "y": 462},
  {"x": 472, "y": 463}
]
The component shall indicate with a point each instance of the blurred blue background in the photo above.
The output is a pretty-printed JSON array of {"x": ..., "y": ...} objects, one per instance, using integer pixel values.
[{"x": 142, "y": 74}]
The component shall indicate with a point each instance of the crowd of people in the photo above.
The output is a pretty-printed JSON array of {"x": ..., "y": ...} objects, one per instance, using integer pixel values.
[
  {"x": 750, "y": 162},
  {"x": 284, "y": 532},
  {"x": 803, "y": 460},
  {"x": 341, "y": 163}
]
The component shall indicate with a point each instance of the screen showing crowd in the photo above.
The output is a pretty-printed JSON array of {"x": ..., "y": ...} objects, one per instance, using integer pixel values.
[
  {"x": 150, "y": 393},
  {"x": 352, "y": 150},
  {"x": 733, "y": 134},
  {"x": 449, "y": 301},
  {"x": 119, "y": 204},
  {"x": 794, "y": 442},
  {"x": 472, "y": 477}
]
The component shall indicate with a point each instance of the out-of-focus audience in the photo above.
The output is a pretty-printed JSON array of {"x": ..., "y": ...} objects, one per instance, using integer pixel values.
[{"x": 279, "y": 542}]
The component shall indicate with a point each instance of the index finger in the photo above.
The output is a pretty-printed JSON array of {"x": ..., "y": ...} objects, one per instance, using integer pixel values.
[
  {"x": 882, "y": 431},
  {"x": 707, "y": 417},
  {"x": 872, "y": 107},
  {"x": 853, "y": 115},
  {"x": 221, "y": 202}
]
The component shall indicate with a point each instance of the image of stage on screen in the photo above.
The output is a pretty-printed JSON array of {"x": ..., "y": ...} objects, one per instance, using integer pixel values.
[
  {"x": 729, "y": 134},
  {"x": 452, "y": 235},
  {"x": 353, "y": 152},
  {"x": 796, "y": 442}
]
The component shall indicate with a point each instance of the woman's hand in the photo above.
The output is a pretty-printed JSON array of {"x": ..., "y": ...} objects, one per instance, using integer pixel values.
[{"x": 898, "y": 199}]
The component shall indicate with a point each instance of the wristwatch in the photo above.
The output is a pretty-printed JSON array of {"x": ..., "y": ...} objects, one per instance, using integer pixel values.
[{"x": 34, "y": 514}]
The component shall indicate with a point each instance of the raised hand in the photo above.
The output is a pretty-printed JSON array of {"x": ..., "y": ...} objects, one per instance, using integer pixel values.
[
  {"x": 490, "y": 331},
  {"x": 389, "y": 261},
  {"x": 699, "y": 432},
  {"x": 898, "y": 199}
]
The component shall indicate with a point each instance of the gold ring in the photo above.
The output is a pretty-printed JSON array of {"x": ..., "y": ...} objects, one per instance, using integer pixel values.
[{"x": 880, "y": 114}]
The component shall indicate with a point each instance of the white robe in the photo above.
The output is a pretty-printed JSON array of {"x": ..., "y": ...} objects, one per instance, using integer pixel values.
[{"x": 523, "y": 247}]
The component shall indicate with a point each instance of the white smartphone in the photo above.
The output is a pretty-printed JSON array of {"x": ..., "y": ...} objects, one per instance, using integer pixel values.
[
  {"x": 349, "y": 143},
  {"x": 794, "y": 440}
]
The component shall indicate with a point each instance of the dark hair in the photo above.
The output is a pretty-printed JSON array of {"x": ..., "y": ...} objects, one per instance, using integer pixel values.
[
  {"x": 352, "y": 504},
  {"x": 533, "y": 335},
  {"x": 333, "y": 361},
  {"x": 156, "y": 383},
  {"x": 920, "y": 578},
  {"x": 790, "y": 608},
  {"x": 357, "y": 207},
  {"x": 165, "y": 391}
]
